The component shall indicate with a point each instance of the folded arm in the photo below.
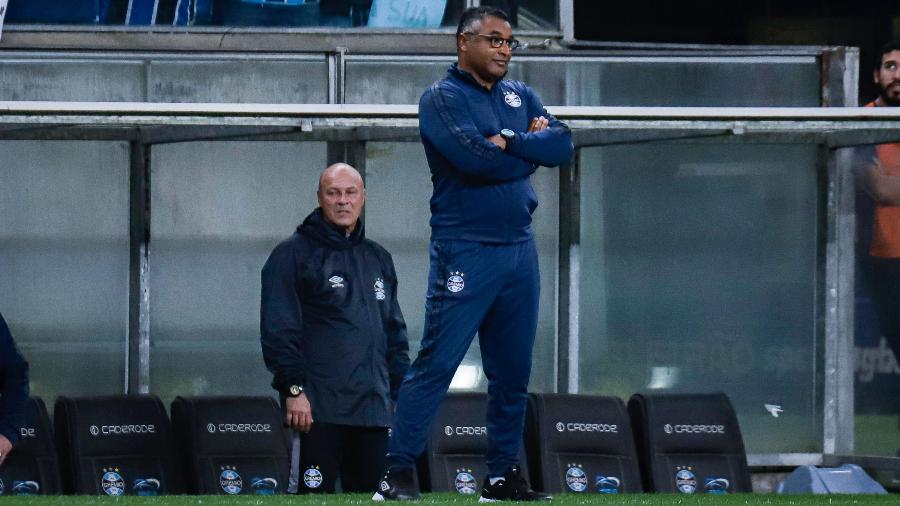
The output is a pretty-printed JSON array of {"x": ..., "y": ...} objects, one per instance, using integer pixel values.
[
  {"x": 446, "y": 122},
  {"x": 547, "y": 142}
]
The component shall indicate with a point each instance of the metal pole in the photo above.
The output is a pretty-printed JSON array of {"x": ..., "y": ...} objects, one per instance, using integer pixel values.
[
  {"x": 137, "y": 366},
  {"x": 840, "y": 77},
  {"x": 567, "y": 20},
  {"x": 838, "y": 427},
  {"x": 567, "y": 379},
  {"x": 336, "y": 70}
]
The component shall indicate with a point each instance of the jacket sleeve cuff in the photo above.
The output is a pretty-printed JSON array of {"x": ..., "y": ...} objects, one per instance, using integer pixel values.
[{"x": 283, "y": 384}]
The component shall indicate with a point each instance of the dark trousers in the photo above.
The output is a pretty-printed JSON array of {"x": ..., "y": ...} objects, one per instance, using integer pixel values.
[
  {"x": 491, "y": 289},
  {"x": 355, "y": 454}
]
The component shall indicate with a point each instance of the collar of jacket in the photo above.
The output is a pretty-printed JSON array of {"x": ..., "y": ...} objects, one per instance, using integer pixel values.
[
  {"x": 316, "y": 227},
  {"x": 460, "y": 74}
]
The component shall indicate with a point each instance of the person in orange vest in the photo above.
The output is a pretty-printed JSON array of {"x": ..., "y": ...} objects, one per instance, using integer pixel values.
[{"x": 881, "y": 176}]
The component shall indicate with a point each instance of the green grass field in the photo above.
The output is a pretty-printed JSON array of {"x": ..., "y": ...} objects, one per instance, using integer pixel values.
[{"x": 365, "y": 499}]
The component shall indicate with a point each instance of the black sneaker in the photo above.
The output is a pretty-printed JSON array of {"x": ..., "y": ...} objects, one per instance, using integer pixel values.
[
  {"x": 398, "y": 485},
  {"x": 511, "y": 487}
]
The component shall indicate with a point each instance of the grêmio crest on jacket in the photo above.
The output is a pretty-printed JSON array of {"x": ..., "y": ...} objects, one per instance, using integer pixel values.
[
  {"x": 379, "y": 288},
  {"x": 512, "y": 98}
]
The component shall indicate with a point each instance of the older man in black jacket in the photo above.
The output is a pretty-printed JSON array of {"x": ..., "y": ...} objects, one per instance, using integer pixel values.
[
  {"x": 13, "y": 391},
  {"x": 334, "y": 338}
]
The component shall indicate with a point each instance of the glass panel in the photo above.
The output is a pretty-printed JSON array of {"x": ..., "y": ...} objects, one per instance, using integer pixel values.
[
  {"x": 218, "y": 210},
  {"x": 643, "y": 81},
  {"x": 529, "y": 14},
  {"x": 253, "y": 81},
  {"x": 657, "y": 81},
  {"x": 399, "y": 187},
  {"x": 387, "y": 81},
  {"x": 546, "y": 230},
  {"x": 671, "y": 81},
  {"x": 377, "y": 80},
  {"x": 257, "y": 80},
  {"x": 75, "y": 80},
  {"x": 877, "y": 303},
  {"x": 698, "y": 273},
  {"x": 699, "y": 81},
  {"x": 64, "y": 262}
]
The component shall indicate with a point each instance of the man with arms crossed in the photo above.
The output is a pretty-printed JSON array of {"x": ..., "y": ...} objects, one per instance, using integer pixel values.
[{"x": 483, "y": 137}]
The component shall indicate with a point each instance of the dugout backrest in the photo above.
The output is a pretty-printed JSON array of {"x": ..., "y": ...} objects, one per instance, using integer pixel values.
[
  {"x": 231, "y": 445},
  {"x": 116, "y": 445},
  {"x": 454, "y": 458},
  {"x": 581, "y": 444},
  {"x": 32, "y": 467},
  {"x": 689, "y": 443}
]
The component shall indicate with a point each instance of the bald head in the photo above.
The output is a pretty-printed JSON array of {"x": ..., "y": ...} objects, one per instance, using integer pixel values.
[
  {"x": 341, "y": 195},
  {"x": 337, "y": 169}
]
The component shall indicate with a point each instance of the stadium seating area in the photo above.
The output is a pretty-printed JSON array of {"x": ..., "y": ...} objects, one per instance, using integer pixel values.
[
  {"x": 263, "y": 13},
  {"x": 128, "y": 445},
  {"x": 257, "y": 13}
]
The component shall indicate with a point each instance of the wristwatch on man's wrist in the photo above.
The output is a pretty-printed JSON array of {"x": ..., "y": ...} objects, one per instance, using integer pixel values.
[
  {"x": 294, "y": 390},
  {"x": 508, "y": 135}
]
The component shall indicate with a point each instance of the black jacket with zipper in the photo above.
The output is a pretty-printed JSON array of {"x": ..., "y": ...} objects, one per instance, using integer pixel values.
[
  {"x": 330, "y": 322},
  {"x": 13, "y": 386}
]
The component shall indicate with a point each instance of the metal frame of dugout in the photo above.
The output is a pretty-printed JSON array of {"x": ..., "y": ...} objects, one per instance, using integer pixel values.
[{"x": 347, "y": 127}]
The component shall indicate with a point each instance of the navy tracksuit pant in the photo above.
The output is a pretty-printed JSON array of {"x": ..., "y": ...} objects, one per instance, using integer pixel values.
[{"x": 492, "y": 289}]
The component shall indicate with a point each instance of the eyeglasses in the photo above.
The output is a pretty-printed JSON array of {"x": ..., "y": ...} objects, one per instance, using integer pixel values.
[{"x": 496, "y": 41}]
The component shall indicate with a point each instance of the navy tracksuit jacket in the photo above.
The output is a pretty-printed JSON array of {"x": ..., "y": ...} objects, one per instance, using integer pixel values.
[{"x": 484, "y": 270}]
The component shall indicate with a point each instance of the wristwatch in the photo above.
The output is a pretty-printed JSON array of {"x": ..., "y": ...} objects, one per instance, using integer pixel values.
[
  {"x": 295, "y": 390},
  {"x": 509, "y": 135}
]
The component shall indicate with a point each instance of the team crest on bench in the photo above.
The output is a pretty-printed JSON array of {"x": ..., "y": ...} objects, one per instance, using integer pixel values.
[
  {"x": 685, "y": 480},
  {"x": 575, "y": 478},
  {"x": 230, "y": 481},
  {"x": 465, "y": 482},
  {"x": 112, "y": 482}
]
